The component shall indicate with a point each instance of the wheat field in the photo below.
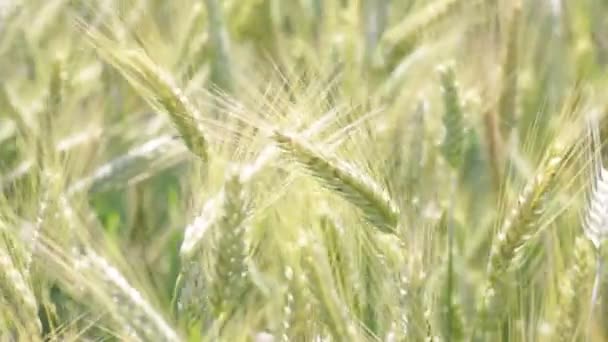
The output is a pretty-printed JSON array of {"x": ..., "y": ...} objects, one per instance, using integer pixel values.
[{"x": 303, "y": 170}]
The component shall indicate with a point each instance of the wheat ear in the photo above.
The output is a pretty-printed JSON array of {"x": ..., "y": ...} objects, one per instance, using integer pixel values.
[
  {"x": 519, "y": 227},
  {"x": 344, "y": 179},
  {"x": 224, "y": 216},
  {"x": 453, "y": 121},
  {"x": 576, "y": 285},
  {"x": 596, "y": 219},
  {"x": 155, "y": 85},
  {"x": 522, "y": 222},
  {"x": 143, "y": 317},
  {"x": 137, "y": 164},
  {"x": 221, "y": 73}
]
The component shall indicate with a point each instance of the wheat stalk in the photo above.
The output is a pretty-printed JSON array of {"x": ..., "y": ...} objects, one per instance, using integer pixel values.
[
  {"x": 573, "y": 287},
  {"x": 229, "y": 281},
  {"x": 522, "y": 222},
  {"x": 139, "y": 314},
  {"x": 596, "y": 220},
  {"x": 225, "y": 217},
  {"x": 453, "y": 121},
  {"x": 507, "y": 102},
  {"x": 135, "y": 165}
]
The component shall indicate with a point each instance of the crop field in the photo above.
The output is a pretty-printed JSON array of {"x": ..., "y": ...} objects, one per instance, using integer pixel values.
[{"x": 303, "y": 170}]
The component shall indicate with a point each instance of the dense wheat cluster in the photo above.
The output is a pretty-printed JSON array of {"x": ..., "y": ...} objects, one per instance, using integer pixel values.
[{"x": 303, "y": 170}]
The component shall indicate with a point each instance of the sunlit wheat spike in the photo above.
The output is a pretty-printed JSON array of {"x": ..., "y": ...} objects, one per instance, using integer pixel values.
[
  {"x": 453, "y": 142},
  {"x": 224, "y": 217},
  {"x": 344, "y": 179},
  {"x": 196, "y": 231},
  {"x": 575, "y": 286},
  {"x": 596, "y": 219},
  {"x": 155, "y": 85},
  {"x": 522, "y": 223}
]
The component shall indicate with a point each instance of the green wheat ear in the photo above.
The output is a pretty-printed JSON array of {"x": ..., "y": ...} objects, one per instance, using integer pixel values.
[
  {"x": 155, "y": 85},
  {"x": 574, "y": 290},
  {"x": 221, "y": 73},
  {"x": 344, "y": 179},
  {"x": 453, "y": 121},
  {"x": 224, "y": 219},
  {"x": 145, "y": 321},
  {"x": 520, "y": 226}
]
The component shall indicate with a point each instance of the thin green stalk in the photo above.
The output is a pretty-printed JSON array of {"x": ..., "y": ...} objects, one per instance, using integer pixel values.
[{"x": 221, "y": 73}]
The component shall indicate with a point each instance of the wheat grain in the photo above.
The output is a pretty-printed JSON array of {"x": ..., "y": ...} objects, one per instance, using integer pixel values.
[{"x": 18, "y": 292}]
